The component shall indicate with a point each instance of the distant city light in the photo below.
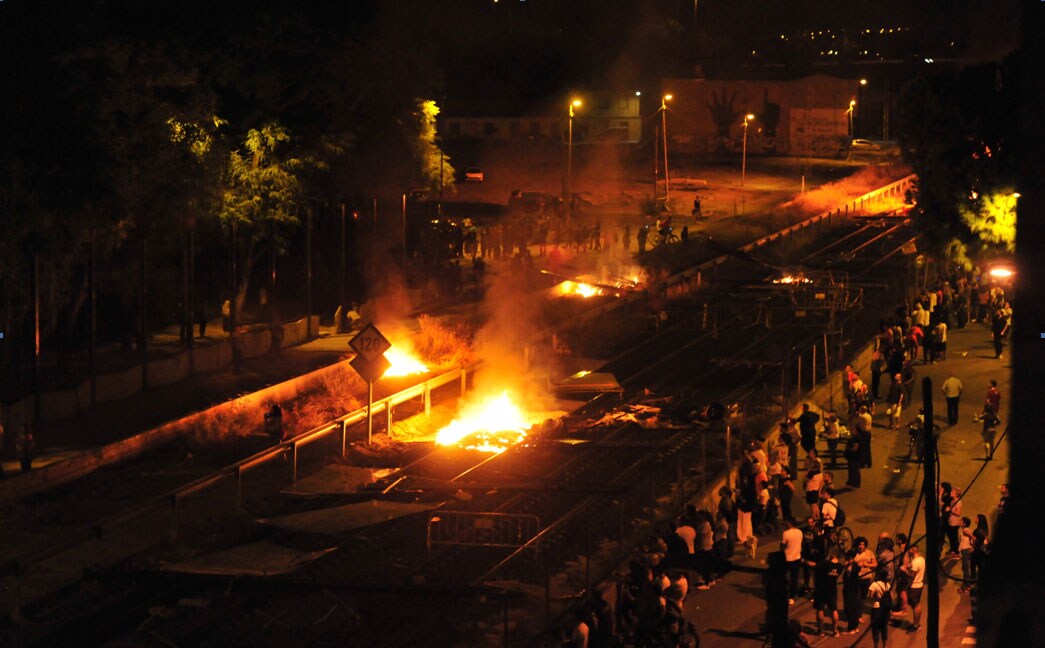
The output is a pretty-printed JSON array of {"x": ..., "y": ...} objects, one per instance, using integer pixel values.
[
  {"x": 638, "y": 93},
  {"x": 1001, "y": 272}
]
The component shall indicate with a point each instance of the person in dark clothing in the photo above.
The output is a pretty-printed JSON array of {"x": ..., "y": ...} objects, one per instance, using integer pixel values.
[
  {"x": 274, "y": 423},
  {"x": 642, "y": 236},
  {"x": 807, "y": 421},
  {"x": 877, "y": 367},
  {"x": 853, "y": 455},
  {"x": 25, "y": 444},
  {"x": 852, "y": 593},
  {"x": 999, "y": 329}
]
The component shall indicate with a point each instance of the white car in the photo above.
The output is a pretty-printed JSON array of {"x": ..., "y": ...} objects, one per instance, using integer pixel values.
[{"x": 474, "y": 174}]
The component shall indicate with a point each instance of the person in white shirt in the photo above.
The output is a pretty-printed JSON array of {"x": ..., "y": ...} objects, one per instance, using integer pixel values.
[
  {"x": 791, "y": 544},
  {"x": 916, "y": 572},
  {"x": 952, "y": 391}
]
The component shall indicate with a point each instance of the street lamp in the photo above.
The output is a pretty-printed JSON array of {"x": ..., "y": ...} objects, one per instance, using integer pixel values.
[
  {"x": 664, "y": 130},
  {"x": 852, "y": 106},
  {"x": 743, "y": 157},
  {"x": 576, "y": 103}
]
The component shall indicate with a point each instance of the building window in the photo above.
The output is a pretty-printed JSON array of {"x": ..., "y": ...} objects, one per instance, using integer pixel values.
[
  {"x": 623, "y": 104},
  {"x": 622, "y": 124}
]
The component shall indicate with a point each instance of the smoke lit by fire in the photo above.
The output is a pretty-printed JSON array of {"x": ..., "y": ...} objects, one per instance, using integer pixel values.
[{"x": 490, "y": 425}]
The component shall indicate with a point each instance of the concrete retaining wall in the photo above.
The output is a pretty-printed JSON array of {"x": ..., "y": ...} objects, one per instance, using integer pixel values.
[
  {"x": 66, "y": 403},
  {"x": 22, "y": 484}
]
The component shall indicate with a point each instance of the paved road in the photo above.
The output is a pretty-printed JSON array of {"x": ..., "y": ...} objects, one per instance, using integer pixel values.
[{"x": 730, "y": 614}]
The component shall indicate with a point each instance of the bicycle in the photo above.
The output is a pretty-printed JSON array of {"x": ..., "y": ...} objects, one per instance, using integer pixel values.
[
  {"x": 843, "y": 538},
  {"x": 916, "y": 443},
  {"x": 656, "y": 239}
]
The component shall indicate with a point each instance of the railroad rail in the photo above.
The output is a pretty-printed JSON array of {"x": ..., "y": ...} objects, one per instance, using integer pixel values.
[{"x": 578, "y": 469}]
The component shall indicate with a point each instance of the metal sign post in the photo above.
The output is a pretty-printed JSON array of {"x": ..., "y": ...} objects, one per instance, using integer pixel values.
[{"x": 370, "y": 363}]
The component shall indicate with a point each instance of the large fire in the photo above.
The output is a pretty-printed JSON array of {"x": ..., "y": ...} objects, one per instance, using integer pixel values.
[
  {"x": 491, "y": 425},
  {"x": 576, "y": 289},
  {"x": 403, "y": 363}
]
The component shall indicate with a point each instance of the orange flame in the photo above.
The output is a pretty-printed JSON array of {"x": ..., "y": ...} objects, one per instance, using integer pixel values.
[
  {"x": 403, "y": 363},
  {"x": 491, "y": 425},
  {"x": 575, "y": 289}
]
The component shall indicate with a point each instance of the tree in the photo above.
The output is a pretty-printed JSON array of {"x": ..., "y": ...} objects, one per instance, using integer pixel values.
[
  {"x": 434, "y": 164},
  {"x": 956, "y": 131},
  {"x": 260, "y": 198}
]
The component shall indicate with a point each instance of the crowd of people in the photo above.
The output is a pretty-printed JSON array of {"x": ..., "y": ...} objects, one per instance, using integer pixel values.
[{"x": 881, "y": 586}]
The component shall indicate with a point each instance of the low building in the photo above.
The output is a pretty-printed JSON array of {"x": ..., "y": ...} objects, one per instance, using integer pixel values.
[
  {"x": 807, "y": 116},
  {"x": 603, "y": 117}
]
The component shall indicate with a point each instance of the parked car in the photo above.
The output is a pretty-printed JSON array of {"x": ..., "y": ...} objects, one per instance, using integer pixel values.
[{"x": 474, "y": 174}]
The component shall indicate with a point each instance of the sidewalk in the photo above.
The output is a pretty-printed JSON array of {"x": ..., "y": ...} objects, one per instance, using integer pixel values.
[{"x": 732, "y": 612}]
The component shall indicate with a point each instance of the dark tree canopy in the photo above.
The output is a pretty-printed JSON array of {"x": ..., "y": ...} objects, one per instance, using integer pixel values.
[{"x": 958, "y": 132}]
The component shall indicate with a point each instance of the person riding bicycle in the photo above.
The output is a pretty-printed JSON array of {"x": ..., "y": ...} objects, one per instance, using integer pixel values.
[{"x": 664, "y": 226}]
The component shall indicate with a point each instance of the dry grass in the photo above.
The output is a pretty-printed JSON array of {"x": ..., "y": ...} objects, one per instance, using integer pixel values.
[
  {"x": 337, "y": 391},
  {"x": 445, "y": 344}
]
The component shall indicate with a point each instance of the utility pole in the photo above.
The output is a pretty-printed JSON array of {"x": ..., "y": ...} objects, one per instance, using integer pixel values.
[{"x": 932, "y": 519}]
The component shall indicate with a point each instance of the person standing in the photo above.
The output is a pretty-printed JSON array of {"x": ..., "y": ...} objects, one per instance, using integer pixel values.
[
  {"x": 274, "y": 423},
  {"x": 993, "y": 400},
  {"x": 965, "y": 549},
  {"x": 881, "y": 605},
  {"x": 825, "y": 590},
  {"x": 999, "y": 329},
  {"x": 807, "y": 421},
  {"x": 25, "y": 446},
  {"x": 952, "y": 391},
  {"x": 990, "y": 429},
  {"x": 852, "y": 599},
  {"x": 877, "y": 367},
  {"x": 895, "y": 401},
  {"x": 832, "y": 435},
  {"x": 642, "y": 236},
  {"x": 814, "y": 482},
  {"x": 853, "y": 456},
  {"x": 916, "y": 572},
  {"x": 940, "y": 341},
  {"x": 791, "y": 544}
]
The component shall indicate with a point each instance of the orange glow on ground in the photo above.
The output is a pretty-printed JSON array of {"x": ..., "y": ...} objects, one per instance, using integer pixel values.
[
  {"x": 491, "y": 425},
  {"x": 403, "y": 363}
]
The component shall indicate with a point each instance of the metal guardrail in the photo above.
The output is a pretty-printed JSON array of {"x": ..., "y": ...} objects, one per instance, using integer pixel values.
[{"x": 172, "y": 498}]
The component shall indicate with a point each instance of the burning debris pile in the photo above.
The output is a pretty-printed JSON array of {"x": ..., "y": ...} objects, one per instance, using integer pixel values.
[
  {"x": 489, "y": 424},
  {"x": 609, "y": 282}
]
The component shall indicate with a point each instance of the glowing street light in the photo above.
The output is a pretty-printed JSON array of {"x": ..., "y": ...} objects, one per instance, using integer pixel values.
[
  {"x": 743, "y": 158},
  {"x": 576, "y": 103},
  {"x": 664, "y": 129}
]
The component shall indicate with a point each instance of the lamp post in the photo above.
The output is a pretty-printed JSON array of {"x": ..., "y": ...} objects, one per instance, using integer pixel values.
[
  {"x": 852, "y": 106},
  {"x": 859, "y": 98},
  {"x": 743, "y": 156},
  {"x": 664, "y": 131},
  {"x": 576, "y": 103}
]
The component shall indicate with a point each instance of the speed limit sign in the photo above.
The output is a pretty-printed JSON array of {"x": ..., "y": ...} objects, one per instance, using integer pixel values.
[{"x": 369, "y": 343}]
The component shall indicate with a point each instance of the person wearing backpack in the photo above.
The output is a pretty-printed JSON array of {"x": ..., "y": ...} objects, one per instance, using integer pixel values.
[
  {"x": 881, "y": 606},
  {"x": 831, "y": 515}
]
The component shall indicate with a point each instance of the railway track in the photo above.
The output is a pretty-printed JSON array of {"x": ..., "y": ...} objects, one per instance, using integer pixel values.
[{"x": 607, "y": 468}]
